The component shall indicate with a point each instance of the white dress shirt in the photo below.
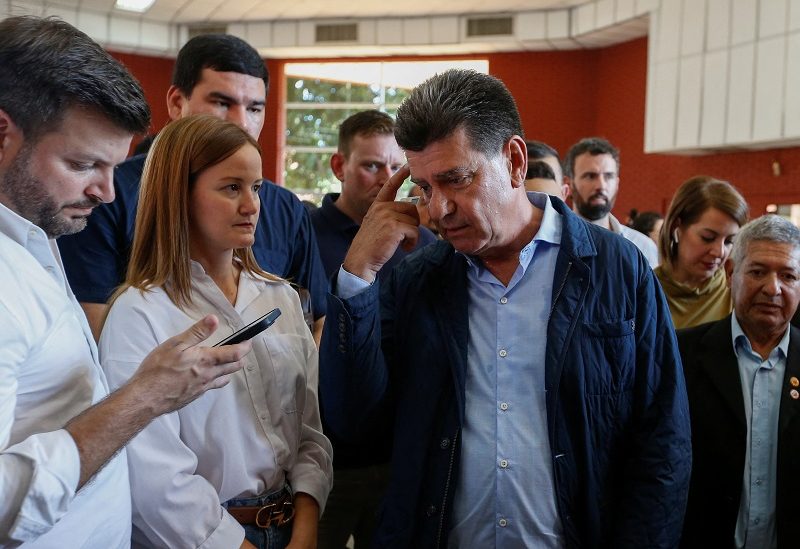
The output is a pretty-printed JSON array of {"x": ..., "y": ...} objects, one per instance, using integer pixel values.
[
  {"x": 243, "y": 440},
  {"x": 49, "y": 373},
  {"x": 642, "y": 241}
]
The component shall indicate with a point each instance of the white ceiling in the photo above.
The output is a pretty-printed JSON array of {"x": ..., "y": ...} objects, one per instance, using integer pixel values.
[{"x": 197, "y": 11}]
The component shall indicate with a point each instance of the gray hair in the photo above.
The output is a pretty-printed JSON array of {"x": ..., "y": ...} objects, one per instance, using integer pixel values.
[{"x": 771, "y": 228}]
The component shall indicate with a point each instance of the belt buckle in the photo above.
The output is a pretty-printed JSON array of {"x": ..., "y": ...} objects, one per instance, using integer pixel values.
[{"x": 279, "y": 512}]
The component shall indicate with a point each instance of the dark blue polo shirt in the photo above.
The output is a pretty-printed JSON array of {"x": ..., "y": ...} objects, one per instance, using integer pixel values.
[
  {"x": 96, "y": 258},
  {"x": 335, "y": 232}
]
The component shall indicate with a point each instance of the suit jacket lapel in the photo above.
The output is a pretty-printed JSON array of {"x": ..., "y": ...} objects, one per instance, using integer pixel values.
[{"x": 721, "y": 366}]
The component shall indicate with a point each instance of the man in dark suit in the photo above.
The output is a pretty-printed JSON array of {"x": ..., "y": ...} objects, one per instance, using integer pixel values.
[{"x": 743, "y": 379}]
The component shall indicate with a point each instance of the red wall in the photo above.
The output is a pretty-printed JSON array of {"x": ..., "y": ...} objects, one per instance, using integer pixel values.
[{"x": 562, "y": 96}]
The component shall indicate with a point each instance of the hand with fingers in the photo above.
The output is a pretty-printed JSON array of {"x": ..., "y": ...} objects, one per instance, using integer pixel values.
[
  {"x": 179, "y": 370},
  {"x": 387, "y": 225}
]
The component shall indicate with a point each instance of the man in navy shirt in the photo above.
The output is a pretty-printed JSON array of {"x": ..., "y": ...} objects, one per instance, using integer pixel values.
[
  {"x": 367, "y": 156},
  {"x": 224, "y": 76}
]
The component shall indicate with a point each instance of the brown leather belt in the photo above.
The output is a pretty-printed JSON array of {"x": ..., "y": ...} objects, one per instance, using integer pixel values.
[{"x": 276, "y": 513}]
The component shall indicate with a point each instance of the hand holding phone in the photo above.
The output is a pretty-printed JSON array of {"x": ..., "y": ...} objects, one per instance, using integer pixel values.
[{"x": 252, "y": 329}]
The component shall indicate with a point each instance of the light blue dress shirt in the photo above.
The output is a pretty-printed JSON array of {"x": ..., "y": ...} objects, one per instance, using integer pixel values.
[
  {"x": 505, "y": 495},
  {"x": 761, "y": 389}
]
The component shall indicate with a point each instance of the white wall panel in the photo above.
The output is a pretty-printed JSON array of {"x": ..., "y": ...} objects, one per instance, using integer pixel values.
[
  {"x": 444, "y": 30},
  {"x": 583, "y": 19},
  {"x": 772, "y": 17},
  {"x": 123, "y": 32},
  {"x": 284, "y": 34},
  {"x": 604, "y": 14},
  {"x": 715, "y": 96},
  {"x": 416, "y": 30},
  {"x": 743, "y": 22},
  {"x": 155, "y": 36},
  {"x": 531, "y": 25},
  {"x": 669, "y": 24},
  {"x": 390, "y": 31},
  {"x": 693, "y": 27},
  {"x": 794, "y": 15},
  {"x": 689, "y": 94},
  {"x": 791, "y": 120},
  {"x": 558, "y": 24},
  {"x": 718, "y": 24},
  {"x": 94, "y": 24},
  {"x": 665, "y": 88},
  {"x": 740, "y": 94},
  {"x": 306, "y": 33},
  {"x": 769, "y": 87},
  {"x": 259, "y": 34},
  {"x": 626, "y": 9},
  {"x": 367, "y": 30}
]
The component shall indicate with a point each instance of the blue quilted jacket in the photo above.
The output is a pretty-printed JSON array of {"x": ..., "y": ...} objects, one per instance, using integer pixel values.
[{"x": 616, "y": 400}]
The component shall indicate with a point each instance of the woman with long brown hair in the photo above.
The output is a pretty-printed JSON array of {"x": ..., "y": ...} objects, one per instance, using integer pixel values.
[
  {"x": 248, "y": 465},
  {"x": 695, "y": 241}
]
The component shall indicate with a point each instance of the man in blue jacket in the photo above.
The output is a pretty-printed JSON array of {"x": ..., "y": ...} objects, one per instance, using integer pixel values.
[{"x": 528, "y": 361}]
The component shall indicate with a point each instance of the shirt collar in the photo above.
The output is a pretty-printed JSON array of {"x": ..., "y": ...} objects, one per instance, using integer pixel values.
[
  {"x": 338, "y": 219},
  {"x": 549, "y": 231},
  {"x": 17, "y": 228},
  {"x": 741, "y": 343},
  {"x": 614, "y": 225}
]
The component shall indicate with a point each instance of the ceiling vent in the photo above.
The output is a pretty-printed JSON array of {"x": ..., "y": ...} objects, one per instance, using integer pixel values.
[
  {"x": 344, "y": 32},
  {"x": 198, "y": 30},
  {"x": 490, "y": 26}
]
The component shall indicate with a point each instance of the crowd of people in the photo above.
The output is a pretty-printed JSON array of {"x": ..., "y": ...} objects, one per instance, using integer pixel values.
[{"x": 479, "y": 364}]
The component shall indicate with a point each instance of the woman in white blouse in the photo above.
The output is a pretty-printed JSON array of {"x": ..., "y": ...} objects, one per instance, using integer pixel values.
[{"x": 246, "y": 465}]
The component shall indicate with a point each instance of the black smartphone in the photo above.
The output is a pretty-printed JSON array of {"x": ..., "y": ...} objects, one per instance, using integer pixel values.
[{"x": 252, "y": 329}]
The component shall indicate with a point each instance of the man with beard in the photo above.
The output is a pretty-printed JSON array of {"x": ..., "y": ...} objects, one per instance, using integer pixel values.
[
  {"x": 68, "y": 112},
  {"x": 591, "y": 172}
]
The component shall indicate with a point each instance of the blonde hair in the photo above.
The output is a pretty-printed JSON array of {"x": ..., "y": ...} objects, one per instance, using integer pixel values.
[
  {"x": 691, "y": 201},
  {"x": 180, "y": 153}
]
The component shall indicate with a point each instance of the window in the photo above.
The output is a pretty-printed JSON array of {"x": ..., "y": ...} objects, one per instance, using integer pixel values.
[{"x": 321, "y": 95}]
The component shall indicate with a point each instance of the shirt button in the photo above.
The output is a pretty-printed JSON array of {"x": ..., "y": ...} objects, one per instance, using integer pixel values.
[
  {"x": 504, "y": 406},
  {"x": 503, "y": 463},
  {"x": 503, "y": 353},
  {"x": 504, "y": 300},
  {"x": 502, "y": 522},
  {"x": 758, "y": 482},
  {"x": 756, "y": 521},
  {"x": 263, "y": 416},
  {"x": 250, "y": 368}
]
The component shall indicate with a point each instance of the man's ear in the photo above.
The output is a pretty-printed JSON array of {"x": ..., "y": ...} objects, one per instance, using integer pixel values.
[
  {"x": 175, "y": 101},
  {"x": 518, "y": 160},
  {"x": 337, "y": 165},
  {"x": 11, "y": 138},
  {"x": 728, "y": 271}
]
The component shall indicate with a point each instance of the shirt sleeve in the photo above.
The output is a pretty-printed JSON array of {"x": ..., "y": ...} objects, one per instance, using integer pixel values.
[
  {"x": 38, "y": 475},
  {"x": 172, "y": 506},
  {"x": 349, "y": 285},
  {"x": 312, "y": 473}
]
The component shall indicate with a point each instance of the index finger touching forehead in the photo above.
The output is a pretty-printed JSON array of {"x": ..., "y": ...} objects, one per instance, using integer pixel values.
[{"x": 388, "y": 192}]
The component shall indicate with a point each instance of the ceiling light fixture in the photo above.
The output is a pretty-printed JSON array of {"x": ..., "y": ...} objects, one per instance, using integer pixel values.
[{"x": 134, "y": 5}]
